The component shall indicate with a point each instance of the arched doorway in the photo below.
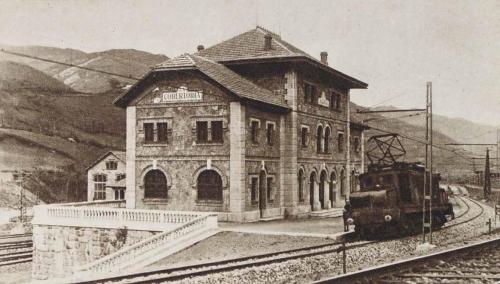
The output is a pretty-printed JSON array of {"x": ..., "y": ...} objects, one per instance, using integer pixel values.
[
  {"x": 342, "y": 183},
  {"x": 300, "y": 180},
  {"x": 312, "y": 184},
  {"x": 333, "y": 189},
  {"x": 262, "y": 192},
  {"x": 322, "y": 179}
]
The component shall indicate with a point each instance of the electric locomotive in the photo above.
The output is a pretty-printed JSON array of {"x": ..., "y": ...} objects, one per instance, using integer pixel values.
[{"x": 390, "y": 199}]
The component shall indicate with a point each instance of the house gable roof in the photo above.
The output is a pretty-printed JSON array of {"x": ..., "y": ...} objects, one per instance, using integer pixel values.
[{"x": 120, "y": 155}]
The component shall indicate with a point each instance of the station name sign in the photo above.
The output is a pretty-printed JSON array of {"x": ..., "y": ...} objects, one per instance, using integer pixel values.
[
  {"x": 181, "y": 95},
  {"x": 323, "y": 101}
]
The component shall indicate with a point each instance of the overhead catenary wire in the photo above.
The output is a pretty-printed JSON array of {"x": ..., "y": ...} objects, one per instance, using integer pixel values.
[{"x": 137, "y": 79}]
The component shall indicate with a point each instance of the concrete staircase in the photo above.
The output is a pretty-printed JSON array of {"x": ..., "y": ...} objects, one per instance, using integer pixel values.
[{"x": 149, "y": 250}]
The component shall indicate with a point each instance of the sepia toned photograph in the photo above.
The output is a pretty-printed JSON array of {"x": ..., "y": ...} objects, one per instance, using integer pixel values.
[{"x": 249, "y": 141}]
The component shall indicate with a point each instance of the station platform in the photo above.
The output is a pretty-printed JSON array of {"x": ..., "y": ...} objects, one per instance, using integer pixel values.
[{"x": 307, "y": 227}]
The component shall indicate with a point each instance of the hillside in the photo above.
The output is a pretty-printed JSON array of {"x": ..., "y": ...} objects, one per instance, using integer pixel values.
[
  {"x": 17, "y": 76},
  {"x": 445, "y": 161},
  {"x": 127, "y": 62},
  {"x": 459, "y": 129}
]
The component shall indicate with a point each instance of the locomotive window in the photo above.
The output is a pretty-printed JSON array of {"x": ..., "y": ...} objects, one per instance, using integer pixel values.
[
  {"x": 388, "y": 180},
  {"x": 367, "y": 181}
]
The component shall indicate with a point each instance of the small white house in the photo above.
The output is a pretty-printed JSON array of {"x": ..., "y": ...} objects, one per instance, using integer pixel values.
[{"x": 106, "y": 177}]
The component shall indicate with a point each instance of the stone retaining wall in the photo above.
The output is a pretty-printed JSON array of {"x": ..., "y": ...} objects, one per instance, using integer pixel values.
[{"x": 57, "y": 250}]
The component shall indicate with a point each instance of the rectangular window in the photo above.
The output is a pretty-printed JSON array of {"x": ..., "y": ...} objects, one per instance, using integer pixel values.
[
  {"x": 303, "y": 136},
  {"x": 149, "y": 134},
  {"x": 202, "y": 131},
  {"x": 338, "y": 102},
  {"x": 162, "y": 132},
  {"x": 254, "y": 187},
  {"x": 310, "y": 93},
  {"x": 111, "y": 165},
  {"x": 255, "y": 131},
  {"x": 270, "y": 193},
  {"x": 270, "y": 133},
  {"x": 122, "y": 194},
  {"x": 217, "y": 131},
  {"x": 340, "y": 142},
  {"x": 100, "y": 186}
]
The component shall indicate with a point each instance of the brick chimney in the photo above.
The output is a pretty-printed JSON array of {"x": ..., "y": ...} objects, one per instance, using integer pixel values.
[
  {"x": 200, "y": 47},
  {"x": 324, "y": 57},
  {"x": 268, "y": 42}
]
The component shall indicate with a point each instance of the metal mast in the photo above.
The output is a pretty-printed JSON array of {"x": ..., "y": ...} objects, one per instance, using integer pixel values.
[{"x": 428, "y": 170}]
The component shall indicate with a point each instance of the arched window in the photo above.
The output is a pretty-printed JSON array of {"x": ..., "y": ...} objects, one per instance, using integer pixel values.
[
  {"x": 155, "y": 185},
  {"x": 301, "y": 185},
  {"x": 319, "y": 137},
  {"x": 327, "y": 139},
  {"x": 209, "y": 185}
]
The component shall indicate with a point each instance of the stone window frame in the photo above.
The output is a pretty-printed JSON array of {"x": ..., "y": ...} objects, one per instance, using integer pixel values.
[
  {"x": 254, "y": 194},
  {"x": 209, "y": 120},
  {"x": 339, "y": 134},
  {"x": 194, "y": 185},
  {"x": 273, "y": 123},
  {"x": 148, "y": 200},
  {"x": 118, "y": 193},
  {"x": 141, "y": 132},
  {"x": 305, "y": 144},
  {"x": 120, "y": 176},
  {"x": 320, "y": 132},
  {"x": 326, "y": 143},
  {"x": 311, "y": 99},
  {"x": 254, "y": 137}
]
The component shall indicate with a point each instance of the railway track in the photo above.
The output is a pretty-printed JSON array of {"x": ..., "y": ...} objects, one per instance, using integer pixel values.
[
  {"x": 15, "y": 252},
  {"x": 446, "y": 266},
  {"x": 203, "y": 269}
]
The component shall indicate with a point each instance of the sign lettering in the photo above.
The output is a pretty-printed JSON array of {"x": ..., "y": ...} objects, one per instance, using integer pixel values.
[
  {"x": 323, "y": 101},
  {"x": 181, "y": 95}
]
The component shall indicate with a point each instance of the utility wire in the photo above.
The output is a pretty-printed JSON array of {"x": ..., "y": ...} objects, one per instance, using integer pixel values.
[
  {"x": 69, "y": 64},
  {"x": 137, "y": 79}
]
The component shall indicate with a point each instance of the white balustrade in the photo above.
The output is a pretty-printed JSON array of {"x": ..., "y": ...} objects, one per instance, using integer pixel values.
[
  {"x": 97, "y": 203},
  {"x": 122, "y": 257},
  {"x": 103, "y": 217}
]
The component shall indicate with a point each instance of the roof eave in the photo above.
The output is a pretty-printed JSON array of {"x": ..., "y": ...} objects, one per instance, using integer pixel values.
[{"x": 355, "y": 83}]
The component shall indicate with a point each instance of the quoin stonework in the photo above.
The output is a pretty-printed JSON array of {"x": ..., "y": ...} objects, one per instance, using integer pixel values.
[{"x": 251, "y": 128}]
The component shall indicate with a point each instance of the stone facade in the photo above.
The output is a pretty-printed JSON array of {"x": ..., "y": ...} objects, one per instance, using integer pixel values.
[
  {"x": 264, "y": 165},
  {"x": 60, "y": 249}
]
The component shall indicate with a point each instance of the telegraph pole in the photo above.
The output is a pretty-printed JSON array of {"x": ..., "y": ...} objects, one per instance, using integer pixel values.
[
  {"x": 487, "y": 176},
  {"x": 427, "y": 200}
]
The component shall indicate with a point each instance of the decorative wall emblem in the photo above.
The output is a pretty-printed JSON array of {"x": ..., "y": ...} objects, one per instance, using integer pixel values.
[
  {"x": 323, "y": 101},
  {"x": 181, "y": 95}
]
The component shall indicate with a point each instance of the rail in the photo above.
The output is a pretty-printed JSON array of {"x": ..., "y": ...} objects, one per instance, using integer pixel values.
[
  {"x": 113, "y": 218},
  {"x": 118, "y": 259},
  {"x": 97, "y": 203}
]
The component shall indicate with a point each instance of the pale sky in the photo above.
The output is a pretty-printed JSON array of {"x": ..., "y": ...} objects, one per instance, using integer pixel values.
[{"x": 394, "y": 46}]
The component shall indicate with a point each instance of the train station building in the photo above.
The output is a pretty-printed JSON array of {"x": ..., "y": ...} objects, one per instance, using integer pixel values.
[{"x": 251, "y": 128}]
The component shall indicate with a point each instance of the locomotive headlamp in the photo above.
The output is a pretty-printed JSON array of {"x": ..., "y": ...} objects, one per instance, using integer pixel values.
[
  {"x": 350, "y": 221},
  {"x": 388, "y": 218}
]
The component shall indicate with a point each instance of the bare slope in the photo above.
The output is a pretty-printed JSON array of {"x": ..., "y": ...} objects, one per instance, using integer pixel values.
[{"x": 128, "y": 62}]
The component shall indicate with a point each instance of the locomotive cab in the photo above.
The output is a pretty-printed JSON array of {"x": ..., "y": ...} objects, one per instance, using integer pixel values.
[{"x": 390, "y": 199}]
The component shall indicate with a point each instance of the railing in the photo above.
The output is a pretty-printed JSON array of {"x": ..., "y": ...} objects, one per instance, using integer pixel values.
[
  {"x": 102, "y": 217},
  {"x": 97, "y": 203},
  {"x": 118, "y": 259}
]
